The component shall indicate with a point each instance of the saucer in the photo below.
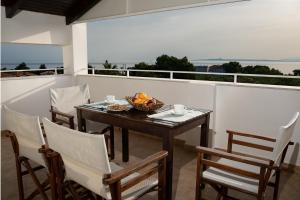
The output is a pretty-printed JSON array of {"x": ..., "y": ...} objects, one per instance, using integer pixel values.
[
  {"x": 109, "y": 102},
  {"x": 179, "y": 114}
]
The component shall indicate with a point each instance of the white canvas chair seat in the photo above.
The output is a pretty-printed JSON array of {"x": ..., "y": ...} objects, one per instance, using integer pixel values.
[
  {"x": 231, "y": 179},
  {"x": 28, "y": 133},
  {"x": 263, "y": 169},
  {"x": 85, "y": 160},
  {"x": 92, "y": 180},
  {"x": 64, "y": 99},
  {"x": 27, "y": 138},
  {"x": 90, "y": 125},
  {"x": 29, "y": 150}
]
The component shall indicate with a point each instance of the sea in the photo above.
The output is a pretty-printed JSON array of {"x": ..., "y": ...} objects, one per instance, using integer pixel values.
[
  {"x": 12, "y": 66},
  {"x": 285, "y": 67}
]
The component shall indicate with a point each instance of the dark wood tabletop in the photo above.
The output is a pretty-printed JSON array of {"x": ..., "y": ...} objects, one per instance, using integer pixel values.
[{"x": 139, "y": 121}]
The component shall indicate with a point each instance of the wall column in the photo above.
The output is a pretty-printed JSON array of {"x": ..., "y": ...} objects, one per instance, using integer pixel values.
[{"x": 75, "y": 56}]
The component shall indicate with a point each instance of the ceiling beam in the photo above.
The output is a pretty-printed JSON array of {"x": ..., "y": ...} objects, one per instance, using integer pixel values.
[
  {"x": 79, "y": 9},
  {"x": 14, "y": 9}
]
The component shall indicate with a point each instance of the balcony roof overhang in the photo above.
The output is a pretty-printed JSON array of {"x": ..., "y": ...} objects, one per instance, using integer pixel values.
[
  {"x": 89, "y": 10},
  {"x": 71, "y": 9}
]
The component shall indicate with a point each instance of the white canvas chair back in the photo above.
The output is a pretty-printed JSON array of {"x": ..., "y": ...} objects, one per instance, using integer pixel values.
[
  {"x": 283, "y": 138},
  {"x": 28, "y": 133},
  {"x": 64, "y": 99},
  {"x": 84, "y": 155}
]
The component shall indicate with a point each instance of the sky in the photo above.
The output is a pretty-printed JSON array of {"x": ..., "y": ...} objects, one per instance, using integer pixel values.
[
  {"x": 245, "y": 30},
  {"x": 17, "y": 53}
]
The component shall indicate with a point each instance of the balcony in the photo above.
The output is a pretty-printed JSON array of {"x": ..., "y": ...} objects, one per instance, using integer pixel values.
[{"x": 235, "y": 104}]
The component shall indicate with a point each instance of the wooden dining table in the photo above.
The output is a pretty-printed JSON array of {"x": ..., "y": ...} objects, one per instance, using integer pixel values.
[{"x": 139, "y": 121}]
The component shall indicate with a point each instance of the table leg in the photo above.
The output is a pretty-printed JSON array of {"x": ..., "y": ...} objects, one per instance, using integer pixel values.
[
  {"x": 112, "y": 142},
  {"x": 168, "y": 146},
  {"x": 81, "y": 121},
  {"x": 204, "y": 139},
  {"x": 204, "y": 133},
  {"x": 125, "y": 146}
]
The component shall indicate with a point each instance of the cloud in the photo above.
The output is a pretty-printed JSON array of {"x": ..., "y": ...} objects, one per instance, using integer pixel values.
[{"x": 256, "y": 29}]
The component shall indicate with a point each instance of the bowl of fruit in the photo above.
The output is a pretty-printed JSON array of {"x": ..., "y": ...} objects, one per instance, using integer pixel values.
[{"x": 143, "y": 102}]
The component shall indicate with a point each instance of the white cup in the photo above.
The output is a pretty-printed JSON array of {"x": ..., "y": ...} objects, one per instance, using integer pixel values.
[
  {"x": 110, "y": 98},
  {"x": 179, "y": 109}
]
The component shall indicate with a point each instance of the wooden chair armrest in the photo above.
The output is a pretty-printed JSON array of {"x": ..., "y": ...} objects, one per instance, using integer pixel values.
[
  {"x": 61, "y": 114},
  {"x": 8, "y": 134},
  {"x": 234, "y": 157},
  {"x": 251, "y": 135},
  {"x": 119, "y": 175},
  {"x": 244, "y": 154}
]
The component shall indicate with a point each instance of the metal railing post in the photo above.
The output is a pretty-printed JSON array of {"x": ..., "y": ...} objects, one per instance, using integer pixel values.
[
  {"x": 93, "y": 70},
  {"x": 235, "y": 79},
  {"x": 171, "y": 75},
  {"x": 127, "y": 73},
  {"x": 55, "y": 71}
]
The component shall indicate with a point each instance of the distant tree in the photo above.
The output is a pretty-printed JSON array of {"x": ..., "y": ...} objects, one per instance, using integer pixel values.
[
  {"x": 60, "y": 70},
  {"x": 3, "y": 68},
  {"x": 43, "y": 66},
  {"x": 143, "y": 66},
  {"x": 232, "y": 67},
  {"x": 22, "y": 66},
  {"x": 168, "y": 63},
  {"x": 275, "y": 72},
  {"x": 90, "y": 69},
  {"x": 247, "y": 70},
  {"x": 296, "y": 72},
  {"x": 260, "y": 69},
  {"x": 108, "y": 65},
  {"x": 172, "y": 63},
  {"x": 165, "y": 62}
]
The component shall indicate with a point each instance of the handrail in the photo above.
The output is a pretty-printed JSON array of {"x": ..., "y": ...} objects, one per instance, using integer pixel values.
[
  {"x": 29, "y": 70},
  {"x": 235, "y": 75}
]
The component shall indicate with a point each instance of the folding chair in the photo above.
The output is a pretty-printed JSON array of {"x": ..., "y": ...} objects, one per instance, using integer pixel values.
[
  {"x": 26, "y": 138},
  {"x": 63, "y": 101},
  {"x": 246, "y": 173},
  {"x": 82, "y": 158}
]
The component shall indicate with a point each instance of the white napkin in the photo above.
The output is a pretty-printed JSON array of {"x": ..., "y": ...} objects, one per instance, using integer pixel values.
[
  {"x": 170, "y": 116},
  {"x": 104, "y": 104}
]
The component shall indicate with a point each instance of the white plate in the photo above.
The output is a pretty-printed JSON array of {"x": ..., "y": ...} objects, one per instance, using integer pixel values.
[
  {"x": 109, "y": 101},
  {"x": 179, "y": 114}
]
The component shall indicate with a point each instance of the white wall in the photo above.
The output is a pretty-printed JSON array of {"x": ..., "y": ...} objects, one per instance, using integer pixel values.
[
  {"x": 35, "y": 28},
  {"x": 258, "y": 110},
  {"x": 255, "y": 109},
  {"x": 31, "y": 94},
  {"x": 117, "y": 8}
]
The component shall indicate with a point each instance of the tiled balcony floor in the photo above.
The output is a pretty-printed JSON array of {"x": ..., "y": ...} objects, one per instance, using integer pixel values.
[{"x": 140, "y": 147}]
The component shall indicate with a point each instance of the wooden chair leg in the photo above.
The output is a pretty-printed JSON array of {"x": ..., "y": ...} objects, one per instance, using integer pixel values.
[
  {"x": 276, "y": 187},
  {"x": 219, "y": 196},
  {"x": 98, "y": 197},
  {"x": 36, "y": 191},
  {"x": 35, "y": 179},
  {"x": 115, "y": 190},
  {"x": 225, "y": 192},
  {"x": 70, "y": 188},
  {"x": 199, "y": 177},
  {"x": 162, "y": 180},
  {"x": 20, "y": 179},
  {"x": 112, "y": 142}
]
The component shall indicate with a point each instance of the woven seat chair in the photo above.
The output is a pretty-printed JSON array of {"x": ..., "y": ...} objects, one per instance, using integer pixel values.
[
  {"x": 243, "y": 172},
  {"x": 26, "y": 137},
  {"x": 63, "y": 102},
  {"x": 82, "y": 158}
]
